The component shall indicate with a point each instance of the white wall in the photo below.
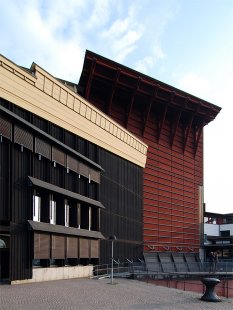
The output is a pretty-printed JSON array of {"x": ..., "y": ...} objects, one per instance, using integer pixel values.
[
  {"x": 211, "y": 229},
  {"x": 214, "y": 229},
  {"x": 227, "y": 227}
]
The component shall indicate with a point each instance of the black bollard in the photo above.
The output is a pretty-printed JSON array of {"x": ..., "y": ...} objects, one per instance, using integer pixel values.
[{"x": 210, "y": 294}]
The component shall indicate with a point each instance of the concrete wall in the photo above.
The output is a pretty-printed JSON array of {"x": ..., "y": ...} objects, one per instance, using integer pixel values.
[{"x": 57, "y": 273}]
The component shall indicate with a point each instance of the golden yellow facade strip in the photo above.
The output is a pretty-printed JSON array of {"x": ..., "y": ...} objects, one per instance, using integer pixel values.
[{"x": 42, "y": 94}]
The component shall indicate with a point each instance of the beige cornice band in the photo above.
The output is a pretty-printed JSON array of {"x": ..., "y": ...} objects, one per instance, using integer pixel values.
[{"x": 43, "y": 95}]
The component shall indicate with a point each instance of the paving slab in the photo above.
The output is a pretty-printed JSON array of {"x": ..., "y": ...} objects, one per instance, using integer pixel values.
[{"x": 96, "y": 294}]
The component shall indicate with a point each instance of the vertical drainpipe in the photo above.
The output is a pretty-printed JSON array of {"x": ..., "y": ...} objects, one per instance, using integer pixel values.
[{"x": 201, "y": 222}]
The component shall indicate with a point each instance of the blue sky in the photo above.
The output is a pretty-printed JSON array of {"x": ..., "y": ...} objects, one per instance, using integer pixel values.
[{"x": 185, "y": 43}]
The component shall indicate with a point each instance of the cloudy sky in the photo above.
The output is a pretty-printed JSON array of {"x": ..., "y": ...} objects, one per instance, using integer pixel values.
[{"x": 185, "y": 43}]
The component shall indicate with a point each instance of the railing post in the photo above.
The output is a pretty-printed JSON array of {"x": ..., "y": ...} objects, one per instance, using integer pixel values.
[{"x": 112, "y": 239}]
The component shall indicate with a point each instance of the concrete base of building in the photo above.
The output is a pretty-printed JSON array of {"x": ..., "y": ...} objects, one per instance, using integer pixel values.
[{"x": 57, "y": 273}]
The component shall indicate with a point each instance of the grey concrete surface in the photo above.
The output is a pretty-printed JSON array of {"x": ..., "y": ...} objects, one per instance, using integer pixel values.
[{"x": 95, "y": 294}]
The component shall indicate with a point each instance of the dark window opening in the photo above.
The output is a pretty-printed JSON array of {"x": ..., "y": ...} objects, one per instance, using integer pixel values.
[
  {"x": 225, "y": 233},
  {"x": 84, "y": 217},
  {"x": 95, "y": 219}
]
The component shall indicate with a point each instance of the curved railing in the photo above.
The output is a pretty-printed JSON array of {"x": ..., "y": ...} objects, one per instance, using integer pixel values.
[{"x": 166, "y": 275}]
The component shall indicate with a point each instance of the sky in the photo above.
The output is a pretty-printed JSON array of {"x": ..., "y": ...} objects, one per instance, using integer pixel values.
[{"x": 187, "y": 44}]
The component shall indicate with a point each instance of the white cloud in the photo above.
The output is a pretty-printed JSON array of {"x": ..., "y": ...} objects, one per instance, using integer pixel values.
[
  {"x": 123, "y": 35},
  {"x": 55, "y": 36},
  {"x": 39, "y": 34},
  {"x": 193, "y": 83},
  {"x": 144, "y": 65},
  {"x": 100, "y": 14}
]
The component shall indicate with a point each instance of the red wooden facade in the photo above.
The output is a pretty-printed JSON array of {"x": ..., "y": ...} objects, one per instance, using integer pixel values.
[{"x": 171, "y": 123}]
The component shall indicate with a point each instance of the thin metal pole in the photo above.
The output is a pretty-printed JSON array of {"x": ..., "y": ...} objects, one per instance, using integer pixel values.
[{"x": 112, "y": 266}]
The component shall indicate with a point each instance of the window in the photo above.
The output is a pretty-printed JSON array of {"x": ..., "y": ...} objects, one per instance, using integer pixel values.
[
  {"x": 85, "y": 217},
  {"x": 2, "y": 244},
  {"x": 52, "y": 211},
  {"x": 225, "y": 233},
  {"x": 79, "y": 215},
  {"x": 67, "y": 209},
  {"x": 90, "y": 218},
  {"x": 36, "y": 207}
]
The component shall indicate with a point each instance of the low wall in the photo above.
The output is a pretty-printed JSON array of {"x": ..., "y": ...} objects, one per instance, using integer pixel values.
[
  {"x": 57, "y": 273},
  {"x": 224, "y": 288}
]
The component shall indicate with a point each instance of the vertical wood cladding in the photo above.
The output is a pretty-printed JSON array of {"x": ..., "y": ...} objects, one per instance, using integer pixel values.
[
  {"x": 5, "y": 129},
  {"x": 121, "y": 194},
  {"x": 24, "y": 153},
  {"x": 23, "y": 137},
  {"x": 21, "y": 193},
  {"x": 21, "y": 201},
  {"x": 171, "y": 122},
  {"x": 171, "y": 181},
  {"x": 58, "y": 247},
  {"x": 94, "y": 248},
  {"x": 41, "y": 246},
  {"x": 20, "y": 253},
  {"x": 172, "y": 176},
  {"x": 119, "y": 189},
  {"x": 72, "y": 247},
  {"x": 84, "y": 248},
  {"x": 42, "y": 148},
  {"x": 5, "y": 177}
]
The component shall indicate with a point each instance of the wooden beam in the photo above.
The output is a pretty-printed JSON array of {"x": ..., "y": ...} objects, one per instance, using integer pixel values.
[
  {"x": 197, "y": 135},
  {"x": 175, "y": 127},
  {"x": 187, "y": 131},
  {"x": 108, "y": 110},
  {"x": 130, "y": 106},
  {"x": 148, "y": 109},
  {"x": 88, "y": 88},
  {"x": 161, "y": 123}
]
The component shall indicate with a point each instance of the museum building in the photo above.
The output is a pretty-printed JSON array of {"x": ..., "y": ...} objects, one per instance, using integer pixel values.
[
  {"x": 171, "y": 123},
  {"x": 70, "y": 177},
  {"x": 119, "y": 153}
]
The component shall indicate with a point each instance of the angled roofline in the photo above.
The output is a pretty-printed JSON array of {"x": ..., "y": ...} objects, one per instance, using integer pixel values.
[{"x": 147, "y": 78}]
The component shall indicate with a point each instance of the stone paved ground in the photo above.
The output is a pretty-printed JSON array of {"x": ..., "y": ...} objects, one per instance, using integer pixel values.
[{"x": 91, "y": 294}]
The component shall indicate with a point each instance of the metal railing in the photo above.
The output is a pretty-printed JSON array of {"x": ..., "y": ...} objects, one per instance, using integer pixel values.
[
  {"x": 175, "y": 275},
  {"x": 120, "y": 269}
]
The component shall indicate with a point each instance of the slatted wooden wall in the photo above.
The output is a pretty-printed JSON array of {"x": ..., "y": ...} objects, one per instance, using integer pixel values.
[{"x": 172, "y": 176}]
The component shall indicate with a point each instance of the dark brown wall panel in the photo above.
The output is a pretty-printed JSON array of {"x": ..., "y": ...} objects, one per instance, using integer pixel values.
[
  {"x": 5, "y": 128},
  {"x": 71, "y": 247},
  {"x": 5, "y": 187},
  {"x": 23, "y": 137},
  {"x": 21, "y": 253},
  {"x": 121, "y": 194},
  {"x": 58, "y": 156},
  {"x": 41, "y": 246},
  {"x": 21, "y": 193},
  {"x": 58, "y": 247},
  {"x": 95, "y": 248},
  {"x": 84, "y": 248},
  {"x": 16, "y": 195},
  {"x": 43, "y": 148}
]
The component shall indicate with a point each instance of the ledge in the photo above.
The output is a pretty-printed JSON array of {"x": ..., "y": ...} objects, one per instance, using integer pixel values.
[
  {"x": 65, "y": 192},
  {"x": 59, "y": 229}
]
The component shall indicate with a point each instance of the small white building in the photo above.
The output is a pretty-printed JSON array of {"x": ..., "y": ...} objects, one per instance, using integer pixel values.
[{"x": 218, "y": 234}]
